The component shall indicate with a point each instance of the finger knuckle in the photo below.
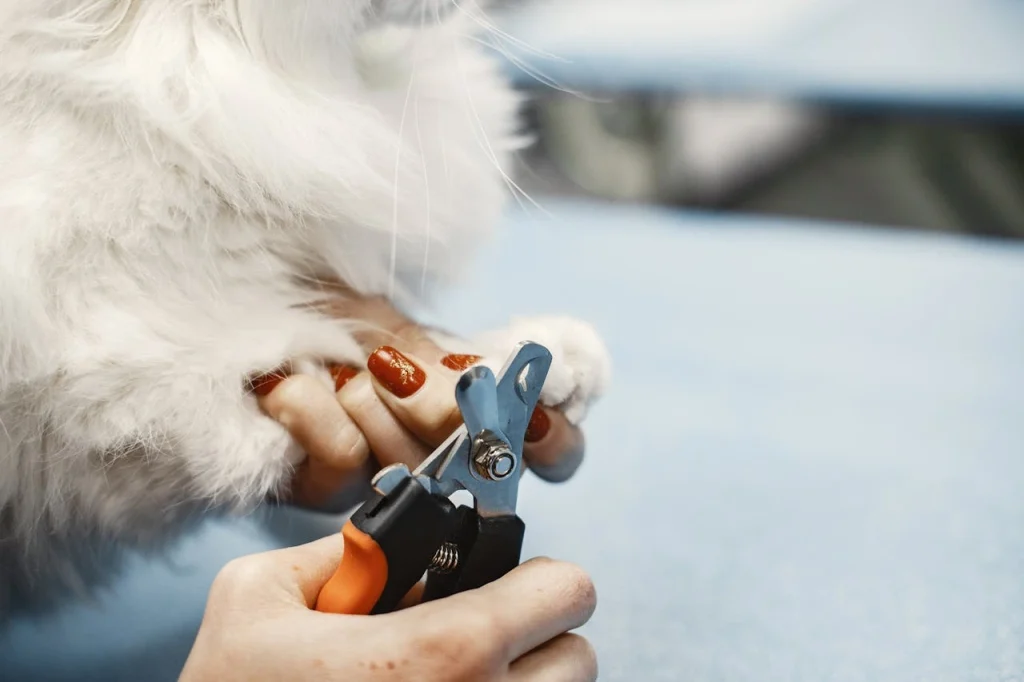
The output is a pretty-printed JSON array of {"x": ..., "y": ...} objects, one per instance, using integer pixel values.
[
  {"x": 448, "y": 418},
  {"x": 357, "y": 396},
  {"x": 416, "y": 338},
  {"x": 488, "y": 627},
  {"x": 579, "y": 589},
  {"x": 457, "y": 654},
  {"x": 543, "y": 562},
  {"x": 351, "y": 448},
  {"x": 583, "y": 655},
  {"x": 435, "y": 419},
  {"x": 294, "y": 390},
  {"x": 430, "y": 421},
  {"x": 238, "y": 576}
]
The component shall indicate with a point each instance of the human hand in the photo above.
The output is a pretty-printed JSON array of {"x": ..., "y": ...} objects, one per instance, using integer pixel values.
[
  {"x": 398, "y": 408},
  {"x": 259, "y": 626}
]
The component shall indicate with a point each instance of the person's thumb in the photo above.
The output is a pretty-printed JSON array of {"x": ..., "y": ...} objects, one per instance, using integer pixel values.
[{"x": 307, "y": 568}]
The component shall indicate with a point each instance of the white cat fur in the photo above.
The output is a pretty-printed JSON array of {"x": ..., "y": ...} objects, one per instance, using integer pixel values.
[{"x": 175, "y": 176}]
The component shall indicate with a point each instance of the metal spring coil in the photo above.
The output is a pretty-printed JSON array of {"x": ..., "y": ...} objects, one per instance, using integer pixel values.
[{"x": 446, "y": 559}]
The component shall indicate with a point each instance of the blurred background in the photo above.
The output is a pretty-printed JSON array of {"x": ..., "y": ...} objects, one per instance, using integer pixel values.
[
  {"x": 902, "y": 113},
  {"x": 809, "y": 466},
  {"x": 817, "y": 347}
]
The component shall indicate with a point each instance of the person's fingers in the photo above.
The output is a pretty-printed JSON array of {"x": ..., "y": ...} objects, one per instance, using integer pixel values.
[
  {"x": 316, "y": 482},
  {"x": 311, "y": 414},
  {"x": 334, "y": 446},
  {"x": 557, "y": 447},
  {"x": 536, "y": 602},
  {"x": 554, "y": 448},
  {"x": 568, "y": 658},
  {"x": 421, "y": 395},
  {"x": 414, "y": 386},
  {"x": 386, "y": 434},
  {"x": 418, "y": 394}
]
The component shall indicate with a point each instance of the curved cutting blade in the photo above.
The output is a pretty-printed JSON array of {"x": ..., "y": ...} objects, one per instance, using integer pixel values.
[
  {"x": 477, "y": 397},
  {"x": 503, "y": 408},
  {"x": 519, "y": 389}
]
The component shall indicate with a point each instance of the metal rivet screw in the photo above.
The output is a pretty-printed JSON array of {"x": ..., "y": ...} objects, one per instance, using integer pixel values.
[{"x": 494, "y": 460}]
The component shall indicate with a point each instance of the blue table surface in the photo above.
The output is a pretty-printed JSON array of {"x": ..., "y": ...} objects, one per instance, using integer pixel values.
[
  {"x": 809, "y": 467},
  {"x": 965, "y": 55}
]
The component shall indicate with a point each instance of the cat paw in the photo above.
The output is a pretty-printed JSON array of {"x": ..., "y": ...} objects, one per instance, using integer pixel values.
[{"x": 580, "y": 368}]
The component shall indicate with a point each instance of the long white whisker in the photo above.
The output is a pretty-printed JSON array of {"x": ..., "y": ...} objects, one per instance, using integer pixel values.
[
  {"x": 426, "y": 174},
  {"x": 393, "y": 264},
  {"x": 480, "y": 133},
  {"x": 481, "y": 19},
  {"x": 426, "y": 191},
  {"x": 534, "y": 72},
  {"x": 499, "y": 41}
]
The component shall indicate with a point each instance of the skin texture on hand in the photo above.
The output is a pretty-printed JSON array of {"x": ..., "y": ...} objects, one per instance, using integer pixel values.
[{"x": 259, "y": 627}]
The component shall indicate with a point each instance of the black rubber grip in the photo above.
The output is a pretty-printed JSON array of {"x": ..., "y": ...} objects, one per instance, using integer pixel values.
[
  {"x": 488, "y": 549},
  {"x": 409, "y": 525}
]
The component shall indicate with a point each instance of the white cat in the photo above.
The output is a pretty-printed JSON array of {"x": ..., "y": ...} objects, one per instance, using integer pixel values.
[{"x": 176, "y": 178}]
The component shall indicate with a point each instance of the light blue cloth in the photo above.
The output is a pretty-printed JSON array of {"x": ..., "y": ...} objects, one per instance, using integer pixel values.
[
  {"x": 810, "y": 467},
  {"x": 963, "y": 55}
]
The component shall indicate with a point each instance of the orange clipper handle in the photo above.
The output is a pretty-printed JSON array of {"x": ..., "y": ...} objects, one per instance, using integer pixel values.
[
  {"x": 356, "y": 586},
  {"x": 390, "y": 543}
]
